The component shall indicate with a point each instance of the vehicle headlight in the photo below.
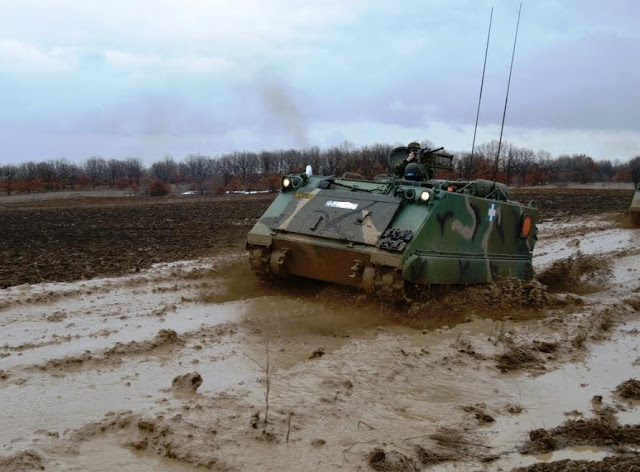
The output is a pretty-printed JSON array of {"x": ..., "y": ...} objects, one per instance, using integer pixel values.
[
  {"x": 286, "y": 182},
  {"x": 424, "y": 197}
]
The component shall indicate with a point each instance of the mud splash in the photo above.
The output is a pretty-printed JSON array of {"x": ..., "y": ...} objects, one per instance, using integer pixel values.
[{"x": 579, "y": 273}]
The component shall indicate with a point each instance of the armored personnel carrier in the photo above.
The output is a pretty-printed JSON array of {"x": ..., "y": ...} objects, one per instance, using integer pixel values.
[
  {"x": 634, "y": 210},
  {"x": 395, "y": 231}
]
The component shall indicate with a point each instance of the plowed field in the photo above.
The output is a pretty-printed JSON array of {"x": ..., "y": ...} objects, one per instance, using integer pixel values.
[{"x": 71, "y": 239}]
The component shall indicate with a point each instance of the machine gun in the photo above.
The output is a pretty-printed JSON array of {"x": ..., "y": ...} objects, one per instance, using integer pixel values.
[
  {"x": 435, "y": 159},
  {"x": 429, "y": 159}
]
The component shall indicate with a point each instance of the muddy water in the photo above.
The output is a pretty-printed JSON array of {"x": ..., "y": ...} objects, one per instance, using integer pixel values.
[
  {"x": 567, "y": 392},
  {"x": 599, "y": 241},
  {"x": 66, "y": 397},
  {"x": 298, "y": 327},
  {"x": 346, "y": 375},
  {"x": 91, "y": 320},
  {"x": 514, "y": 460},
  {"x": 106, "y": 455}
]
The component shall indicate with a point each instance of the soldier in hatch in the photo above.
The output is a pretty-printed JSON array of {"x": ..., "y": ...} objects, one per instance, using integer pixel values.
[
  {"x": 409, "y": 168},
  {"x": 412, "y": 149}
]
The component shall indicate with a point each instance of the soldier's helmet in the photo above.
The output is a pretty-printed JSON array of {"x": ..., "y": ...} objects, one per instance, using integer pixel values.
[
  {"x": 413, "y": 146},
  {"x": 414, "y": 171}
]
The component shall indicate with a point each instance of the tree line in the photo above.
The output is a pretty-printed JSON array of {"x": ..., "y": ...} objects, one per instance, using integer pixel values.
[{"x": 262, "y": 170}]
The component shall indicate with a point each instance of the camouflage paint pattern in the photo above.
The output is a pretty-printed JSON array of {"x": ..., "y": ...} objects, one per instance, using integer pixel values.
[{"x": 325, "y": 231}]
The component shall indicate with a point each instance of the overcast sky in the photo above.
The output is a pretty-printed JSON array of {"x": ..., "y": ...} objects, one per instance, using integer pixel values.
[{"x": 156, "y": 77}]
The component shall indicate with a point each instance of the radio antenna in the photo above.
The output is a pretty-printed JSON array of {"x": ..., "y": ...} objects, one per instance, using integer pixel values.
[
  {"x": 504, "y": 113},
  {"x": 484, "y": 68}
]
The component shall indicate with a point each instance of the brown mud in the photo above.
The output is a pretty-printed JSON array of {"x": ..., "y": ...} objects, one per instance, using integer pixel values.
[
  {"x": 603, "y": 430},
  {"x": 629, "y": 390},
  {"x": 559, "y": 201},
  {"x": 197, "y": 365}
]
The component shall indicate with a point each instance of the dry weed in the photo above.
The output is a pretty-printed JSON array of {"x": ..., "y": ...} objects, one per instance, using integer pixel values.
[
  {"x": 450, "y": 438},
  {"x": 604, "y": 320},
  {"x": 579, "y": 340}
]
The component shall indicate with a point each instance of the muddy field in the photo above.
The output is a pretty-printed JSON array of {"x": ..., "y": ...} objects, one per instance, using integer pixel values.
[{"x": 134, "y": 338}]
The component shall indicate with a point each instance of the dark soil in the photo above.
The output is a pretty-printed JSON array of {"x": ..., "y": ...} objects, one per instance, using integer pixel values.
[
  {"x": 591, "y": 432},
  {"x": 629, "y": 389},
  {"x": 77, "y": 238},
  {"x": 553, "y": 202},
  {"x": 71, "y": 239}
]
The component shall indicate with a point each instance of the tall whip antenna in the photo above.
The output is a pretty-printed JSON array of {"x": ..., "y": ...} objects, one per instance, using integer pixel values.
[
  {"x": 484, "y": 67},
  {"x": 504, "y": 113}
]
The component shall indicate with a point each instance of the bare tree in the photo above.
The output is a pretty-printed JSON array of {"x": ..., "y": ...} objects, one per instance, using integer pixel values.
[
  {"x": 28, "y": 173},
  {"x": 165, "y": 170},
  {"x": 67, "y": 172},
  {"x": 604, "y": 171},
  {"x": 115, "y": 172},
  {"x": 133, "y": 170},
  {"x": 524, "y": 165},
  {"x": 8, "y": 174},
  {"x": 584, "y": 168},
  {"x": 634, "y": 169},
  {"x": 545, "y": 166},
  {"x": 46, "y": 172},
  {"x": 96, "y": 170},
  {"x": 199, "y": 169}
]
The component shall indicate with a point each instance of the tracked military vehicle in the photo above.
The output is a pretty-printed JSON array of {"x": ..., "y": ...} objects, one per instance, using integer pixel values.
[
  {"x": 634, "y": 210},
  {"x": 393, "y": 232}
]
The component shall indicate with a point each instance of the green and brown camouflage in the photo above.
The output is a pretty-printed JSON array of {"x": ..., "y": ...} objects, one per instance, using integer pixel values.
[
  {"x": 634, "y": 210},
  {"x": 382, "y": 235}
]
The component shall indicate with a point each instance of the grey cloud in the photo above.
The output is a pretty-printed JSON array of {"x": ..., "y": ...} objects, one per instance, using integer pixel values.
[
  {"x": 583, "y": 83},
  {"x": 590, "y": 82}
]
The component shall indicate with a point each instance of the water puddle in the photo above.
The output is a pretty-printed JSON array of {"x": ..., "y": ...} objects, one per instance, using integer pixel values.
[
  {"x": 296, "y": 328},
  {"x": 514, "y": 460},
  {"x": 183, "y": 319},
  {"x": 600, "y": 242},
  {"x": 104, "y": 455},
  {"x": 551, "y": 399}
]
